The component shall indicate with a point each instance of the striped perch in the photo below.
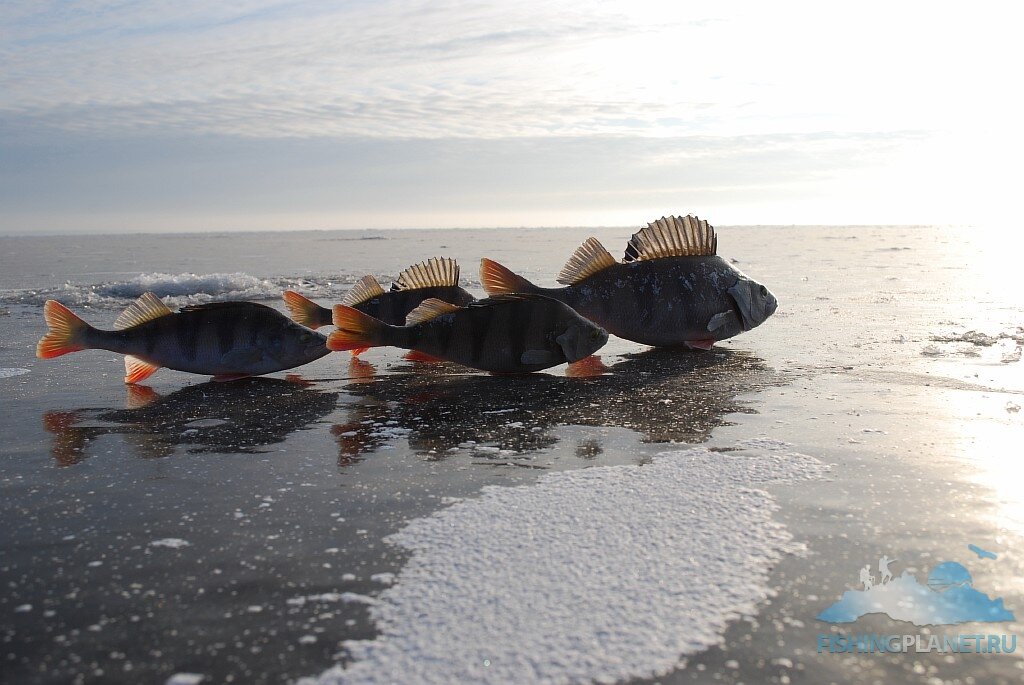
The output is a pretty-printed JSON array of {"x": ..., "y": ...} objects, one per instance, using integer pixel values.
[
  {"x": 508, "y": 334},
  {"x": 670, "y": 289},
  {"x": 228, "y": 340}
]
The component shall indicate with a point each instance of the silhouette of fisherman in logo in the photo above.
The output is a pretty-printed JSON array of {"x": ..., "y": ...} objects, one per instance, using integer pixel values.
[
  {"x": 883, "y": 568},
  {"x": 866, "y": 577}
]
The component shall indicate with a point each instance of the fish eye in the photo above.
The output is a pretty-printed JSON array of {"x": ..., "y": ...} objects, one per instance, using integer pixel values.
[
  {"x": 304, "y": 338},
  {"x": 595, "y": 334},
  {"x": 764, "y": 291}
]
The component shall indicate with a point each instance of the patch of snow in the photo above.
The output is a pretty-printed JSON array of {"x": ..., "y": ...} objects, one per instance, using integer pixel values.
[
  {"x": 607, "y": 573},
  {"x": 173, "y": 543}
]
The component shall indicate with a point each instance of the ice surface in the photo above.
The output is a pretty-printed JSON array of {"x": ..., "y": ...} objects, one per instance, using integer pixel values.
[
  {"x": 605, "y": 573},
  {"x": 179, "y": 290},
  {"x": 173, "y": 543}
]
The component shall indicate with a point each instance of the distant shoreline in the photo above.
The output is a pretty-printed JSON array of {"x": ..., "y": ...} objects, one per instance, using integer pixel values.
[{"x": 229, "y": 231}]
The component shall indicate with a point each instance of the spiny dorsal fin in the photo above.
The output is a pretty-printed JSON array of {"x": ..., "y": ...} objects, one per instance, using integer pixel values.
[
  {"x": 588, "y": 259},
  {"x": 436, "y": 271},
  {"x": 366, "y": 289},
  {"x": 429, "y": 309},
  {"x": 672, "y": 237},
  {"x": 146, "y": 308}
]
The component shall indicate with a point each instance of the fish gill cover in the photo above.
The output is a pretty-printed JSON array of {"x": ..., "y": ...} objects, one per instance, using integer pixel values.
[{"x": 605, "y": 573}]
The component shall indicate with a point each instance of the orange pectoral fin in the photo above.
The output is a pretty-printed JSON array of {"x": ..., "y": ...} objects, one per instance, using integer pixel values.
[
  {"x": 137, "y": 370},
  {"x": 588, "y": 367},
  {"x": 700, "y": 344},
  {"x": 356, "y": 351}
]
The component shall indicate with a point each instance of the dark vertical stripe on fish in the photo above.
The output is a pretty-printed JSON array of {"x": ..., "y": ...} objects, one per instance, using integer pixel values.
[
  {"x": 225, "y": 328},
  {"x": 149, "y": 338},
  {"x": 518, "y": 330},
  {"x": 479, "y": 326},
  {"x": 188, "y": 340}
]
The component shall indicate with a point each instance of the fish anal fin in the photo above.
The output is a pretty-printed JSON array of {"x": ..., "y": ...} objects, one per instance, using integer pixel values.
[
  {"x": 434, "y": 272},
  {"x": 589, "y": 258},
  {"x": 672, "y": 237},
  {"x": 137, "y": 370},
  {"x": 431, "y": 308},
  {"x": 146, "y": 308},
  {"x": 365, "y": 289},
  {"x": 705, "y": 344},
  {"x": 417, "y": 356}
]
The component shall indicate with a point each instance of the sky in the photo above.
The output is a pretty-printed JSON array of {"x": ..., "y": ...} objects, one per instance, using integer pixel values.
[{"x": 188, "y": 115}]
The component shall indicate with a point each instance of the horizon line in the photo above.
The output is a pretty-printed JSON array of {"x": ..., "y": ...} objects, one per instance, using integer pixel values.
[{"x": 74, "y": 234}]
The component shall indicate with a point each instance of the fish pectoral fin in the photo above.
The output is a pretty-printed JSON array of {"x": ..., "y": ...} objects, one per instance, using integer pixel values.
[
  {"x": 539, "y": 357},
  {"x": 241, "y": 358},
  {"x": 137, "y": 370},
  {"x": 720, "y": 319},
  {"x": 700, "y": 344},
  {"x": 226, "y": 377}
]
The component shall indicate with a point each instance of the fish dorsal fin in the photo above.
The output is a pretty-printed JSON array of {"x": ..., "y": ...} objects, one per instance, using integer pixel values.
[
  {"x": 436, "y": 271},
  {"x": 146, "y": 308},
  {"x": 588, "y": 259},
  {"x": 429, "y": 309},
  {"x": 672, "y": 237},
  {"x": 366, "y": 289}
]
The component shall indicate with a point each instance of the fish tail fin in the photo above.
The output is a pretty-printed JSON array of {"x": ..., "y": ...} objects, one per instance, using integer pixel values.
[
  {"x": 355, "y": 330},
  {"x": 499, "y": 280},
  {"x": 303, "y": 310},
  {"x": 67, "y": 331}
]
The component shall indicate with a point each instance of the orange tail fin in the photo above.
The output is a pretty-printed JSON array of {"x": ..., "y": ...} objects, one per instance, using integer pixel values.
[
  {"x": 355, "y": 330},
  {"x": 66, "y": 333},
  {"x": 497, "y": 280},
  {"x": 304, "y": 310}
]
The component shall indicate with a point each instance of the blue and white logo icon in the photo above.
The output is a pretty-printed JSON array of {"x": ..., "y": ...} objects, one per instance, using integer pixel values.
[{"x": 948, "y": 596}]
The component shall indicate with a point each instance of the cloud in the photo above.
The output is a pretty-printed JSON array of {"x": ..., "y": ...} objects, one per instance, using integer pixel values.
[
  {"x": 405, "y": 69},
  {"x": 531, "y": 111}
]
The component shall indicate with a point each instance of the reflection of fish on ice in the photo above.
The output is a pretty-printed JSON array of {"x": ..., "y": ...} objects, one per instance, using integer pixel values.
[{"x": 208, "y": 417}]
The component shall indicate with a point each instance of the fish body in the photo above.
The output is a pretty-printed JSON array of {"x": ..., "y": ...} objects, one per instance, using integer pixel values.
[
  {"x": 671, "y": 289},
  {"x": 506, "y": 334},
  {"x": 227, "y": 340},
  {"x": 436, "y": 278}
]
